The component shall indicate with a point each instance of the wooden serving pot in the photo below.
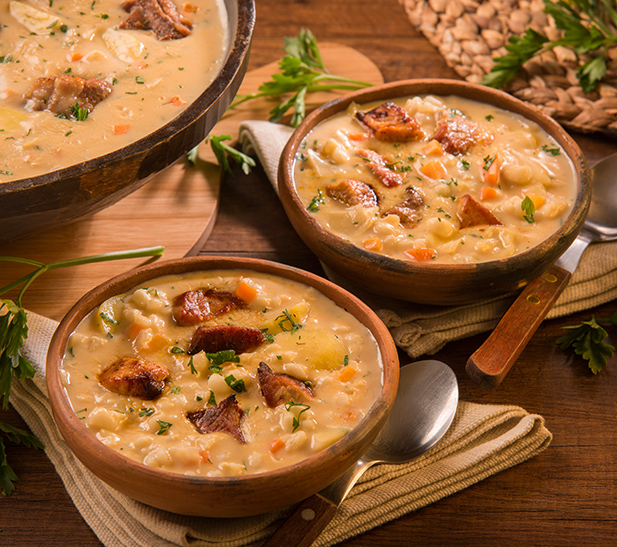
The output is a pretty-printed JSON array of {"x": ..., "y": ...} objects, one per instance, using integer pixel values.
[
  {"x": 219, "y": 496},
  {"x": 429, "y": 282},
  {"x": 53, "y": 199}
]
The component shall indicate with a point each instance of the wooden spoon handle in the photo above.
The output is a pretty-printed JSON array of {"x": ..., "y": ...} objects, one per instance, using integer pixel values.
[
  {"x": 305, "y": 524},
  {"x": 490, "y": 363}
]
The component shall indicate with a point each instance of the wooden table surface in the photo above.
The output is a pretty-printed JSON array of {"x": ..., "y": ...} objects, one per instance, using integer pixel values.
[{"x": 565, "y": 496}]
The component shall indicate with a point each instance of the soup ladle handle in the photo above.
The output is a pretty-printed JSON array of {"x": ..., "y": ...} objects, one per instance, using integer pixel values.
[{"x": 490, "y": 363}]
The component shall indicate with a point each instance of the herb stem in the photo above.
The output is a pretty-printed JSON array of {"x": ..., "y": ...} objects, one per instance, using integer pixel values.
[{"x": 42, "y": 268}]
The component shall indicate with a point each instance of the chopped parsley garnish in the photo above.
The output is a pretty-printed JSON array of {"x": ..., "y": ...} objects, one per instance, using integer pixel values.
[
  {"x": 286, "y": 322},
  {"x": 164, "y": 427},
  {"x": 488, "y": 161},
  {"x": 80, "y": 114},
  {"x": 296, "y": 421},
  {"x": 551, "y": 151},
  {"x": 237, "y": 385},
  {"x": 218, "y": 359},
  {"x": 144, "y": 412},
  {"x": 313, "y": 206}
]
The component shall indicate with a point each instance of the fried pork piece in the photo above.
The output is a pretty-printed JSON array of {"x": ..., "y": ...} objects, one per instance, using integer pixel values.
[
  {"x": 471, "y": 213},
  {"x": 377, "y": 165},
  {"x": 160, "y": 16},
  {"x": 457, "y": 134},
  {"x": 407, "y": 210},
  {"x": 353, "y": 192},
  {"x": 390, "y": 123},
  {"x": 62, "y": 94},
  {"x": 224, "y": 337},
  {"x": 225, "y": 416},
  {"x": 192, "y": 307},
  {"x": 280, "y": 388},
  {"x": 135, "y": 377}
]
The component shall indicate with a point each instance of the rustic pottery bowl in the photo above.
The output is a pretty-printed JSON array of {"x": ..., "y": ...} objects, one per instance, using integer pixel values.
[
  {"x": 52, "y": 199},
  {"x": 429, "y": 282},
  {"x": 228, "y": 496}
]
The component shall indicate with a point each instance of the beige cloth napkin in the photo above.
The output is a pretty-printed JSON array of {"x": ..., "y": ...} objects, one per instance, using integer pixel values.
[
  {"x": 483, "y": 440},
  {"x": 421, "y": 329}
]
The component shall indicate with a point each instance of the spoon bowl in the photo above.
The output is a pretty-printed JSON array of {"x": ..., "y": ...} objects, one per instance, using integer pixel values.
[
  {"x": 424, "y": 408},
  {"x": 490, "y": 363}
]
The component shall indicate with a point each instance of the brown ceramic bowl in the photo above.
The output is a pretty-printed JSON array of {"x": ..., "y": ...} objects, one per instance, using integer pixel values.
[
  {"x": 56, "y": 198},
  {"x": 229, "y": 496},
  {"x": 432, "y": 283}
]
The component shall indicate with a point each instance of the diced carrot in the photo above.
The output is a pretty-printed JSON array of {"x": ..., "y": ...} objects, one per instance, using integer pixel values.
[
  {"x": 349, "y": 416},
  {"x": 205, "y": 456},
  {"x": 177, "y": 101},
  {"x": 142, "y": 65},
  {"x": 487, "y": 192},
  {"x": 246, "y": 292},
  {"x": 434, "y": 170},
  {"x": 491, "y": 173},
  {"x": 358, "y": 136},
  {"x": 76, "y": 56},
  {"x": 133, "y": 331},
  {"x": 373, "y": 244},
  {"x": 189, "y": 8},
  {"x": 433, "y": 147},
  {"x": 277, "y": 445},
  {"x": 347, "y": 374},
  {"x": 120, "y": 129},
  {"x": 421, "y": 254}
]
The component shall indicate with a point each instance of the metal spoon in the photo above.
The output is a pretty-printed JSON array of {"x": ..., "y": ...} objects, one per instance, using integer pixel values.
[
  {"x": 423, "y": 410},
  {"x": 491, "y": 362}
]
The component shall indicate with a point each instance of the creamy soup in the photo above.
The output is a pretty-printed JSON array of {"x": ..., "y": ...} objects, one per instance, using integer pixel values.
[
  {"x": 151, "y": 80},
  {"x": 435, "y": 179},
  {"x": 302, "y": 373}
]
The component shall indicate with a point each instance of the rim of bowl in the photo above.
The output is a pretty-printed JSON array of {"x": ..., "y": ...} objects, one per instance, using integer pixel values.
[
  {"x": 239, "y": 44},
  {"x": 379, "y": 410},
  {"x": 441, "y": 88}
]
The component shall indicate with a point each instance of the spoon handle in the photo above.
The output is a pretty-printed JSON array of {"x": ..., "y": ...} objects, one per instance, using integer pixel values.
[
  {"x": 490, "y": 363},
  {"x": 305, "y": 524}
]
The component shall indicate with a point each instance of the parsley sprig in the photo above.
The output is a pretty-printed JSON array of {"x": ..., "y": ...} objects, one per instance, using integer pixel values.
[
  {"x": 587, "y": 340},
  {"x": 302, "y": 71},
  {"x": 589, "y": 27},
  {"x": 13, "y": 332}
]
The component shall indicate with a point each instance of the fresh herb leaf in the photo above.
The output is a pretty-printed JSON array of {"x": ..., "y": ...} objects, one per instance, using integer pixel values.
[
  {"x": 317, "y": 200},
  {"x": 223, "y": 151},
  {"x": 191, "y": 366},
  {"x": 528, "y": 208},
  {"x": 552, "y": 151},
  {"x": 286, "y": 322},
  {"x": 212, "y": 398},
  {"x": 16, "y": 436},
  {"x": 145, "y": 412},
  {"x": 296, "y": 420},
  {"x": 163, "y": 427},
  {"x": 301, "y": 72},
  {"x": 237, "y": 385},
  {"x": 218, "y": 359},
  {"x": 587, "y": 340}
]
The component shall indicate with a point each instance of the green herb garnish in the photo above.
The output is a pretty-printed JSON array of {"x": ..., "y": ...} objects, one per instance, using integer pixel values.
[
  {"x": 528, "y": 209},
  {"x": 587, "y": 340}
]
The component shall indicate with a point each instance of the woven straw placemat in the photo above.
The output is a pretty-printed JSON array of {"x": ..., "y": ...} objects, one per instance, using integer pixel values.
[{"x": 469, "y": 34}]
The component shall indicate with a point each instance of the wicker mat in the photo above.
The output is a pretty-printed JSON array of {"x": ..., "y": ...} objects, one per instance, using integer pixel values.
[{"x": 469, "y": 34}]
